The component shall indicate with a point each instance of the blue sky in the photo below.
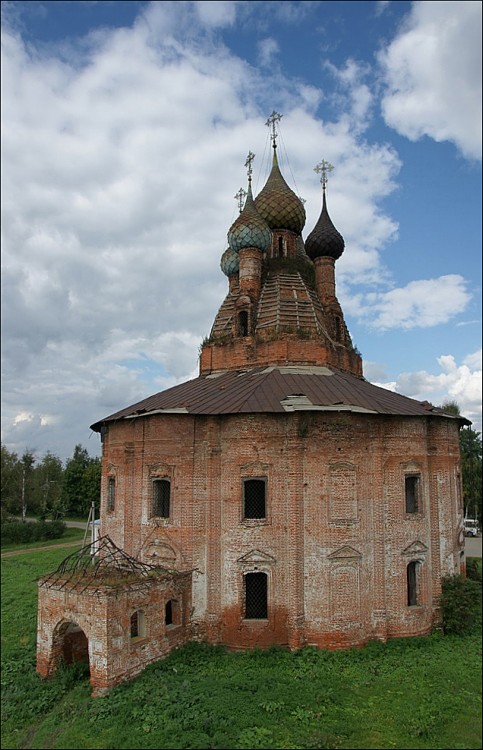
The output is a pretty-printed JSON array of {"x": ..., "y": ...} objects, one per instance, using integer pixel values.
[{"x": 125, "y": 128}]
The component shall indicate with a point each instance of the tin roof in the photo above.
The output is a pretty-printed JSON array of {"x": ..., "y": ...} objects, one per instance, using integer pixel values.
[{"x": 277, "y": 390}]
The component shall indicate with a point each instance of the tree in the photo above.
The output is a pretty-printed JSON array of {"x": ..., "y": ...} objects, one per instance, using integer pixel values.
[
  {"x": 10, "y": 481},
  {"x": 27, "y": 466},
  {"x": 470, "y": 448},
  {"x": 470, "y": 445},
  {"x": 48, "y": 480},
  {"x": 82, "y": 482}
]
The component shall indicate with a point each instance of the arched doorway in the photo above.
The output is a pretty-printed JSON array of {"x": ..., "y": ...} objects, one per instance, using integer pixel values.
[{"x": 70, "y": 645}]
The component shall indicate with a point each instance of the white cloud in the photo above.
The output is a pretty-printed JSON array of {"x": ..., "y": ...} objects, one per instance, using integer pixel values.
[
  {"x": 432, "y": 73},
  {"x": 120, "y": 162},
  {"x": 454, "y": 382},
  {"x": 268, "y": 50},
  {"x": 420, "y": 304}
]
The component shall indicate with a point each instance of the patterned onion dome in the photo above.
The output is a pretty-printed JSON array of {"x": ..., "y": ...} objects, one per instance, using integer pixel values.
[
  {"x": 278, "y": 204},
  {"x": 324, "y": 240},
  {"x": 230, "y": 262},
  {"x": 249, "y": 229}
]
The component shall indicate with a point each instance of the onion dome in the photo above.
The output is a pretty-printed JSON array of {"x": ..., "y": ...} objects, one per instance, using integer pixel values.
[
  {"x": 249, "y": 229},
  {"x": 278, "y": 204},
  {"x": 230, "y": 262},
  {"x": 324, "y": 240}
]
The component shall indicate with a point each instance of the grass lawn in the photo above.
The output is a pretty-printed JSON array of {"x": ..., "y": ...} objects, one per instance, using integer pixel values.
[
  {"x": 409, "y": 693},
  {"x": 69, "y": 535}
]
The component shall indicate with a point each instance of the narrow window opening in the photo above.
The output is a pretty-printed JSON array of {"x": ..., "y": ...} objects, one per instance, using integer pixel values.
[
  {"x": 412, "y": 583},
  {"x": 171, "y": 612},
  {"x": 161, "y": 498},
  {"x": 137, "y": 624},
  {"x": 243, "y": 323},
  {"x": 254, "y": 498},
  {"x": 111, "y": 494},
  {"x": 256, "y": 590},
  {"x": 413, "y": 490},
  {"x": 280, "y": 247}
]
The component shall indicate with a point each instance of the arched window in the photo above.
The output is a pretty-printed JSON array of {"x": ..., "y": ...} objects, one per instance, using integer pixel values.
[
  {"x": 138, "y": 625},
  {"x": 243, "y": 323},
  {"x": 256, "y": 596},
  {"x": 412, "y": 573},
  {"x": 161, "y": 500},
  {"x": 280, "y": 247}
]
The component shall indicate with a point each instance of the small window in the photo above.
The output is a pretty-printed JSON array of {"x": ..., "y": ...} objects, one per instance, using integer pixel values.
[
  {"x": 243, "y": 323},
  {"x": 138, "y": 629},
  {"x": 161, "y": 498},
  {"x": 280, "y": 247},
  {"x": 254, "y": 498},
  {"x": 111, "y": 493},
  {"x": 413, "y": 492},
  {"x": 256, "y": 590},
  {"x": 171, "y": 612},
  {"x": 413, "y": 583}
]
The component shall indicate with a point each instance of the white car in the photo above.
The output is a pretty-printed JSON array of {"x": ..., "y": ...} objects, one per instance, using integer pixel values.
[{"x": 471, "y": 527}]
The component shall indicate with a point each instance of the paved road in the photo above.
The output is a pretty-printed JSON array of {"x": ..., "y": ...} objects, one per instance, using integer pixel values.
[{"x": 473, "y": 546}]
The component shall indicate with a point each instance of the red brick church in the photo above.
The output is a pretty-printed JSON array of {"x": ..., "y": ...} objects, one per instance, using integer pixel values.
[{"x": 277, "y": 498}]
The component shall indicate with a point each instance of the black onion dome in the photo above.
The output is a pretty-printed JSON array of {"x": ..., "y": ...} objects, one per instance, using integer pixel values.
[
  {"x": 278, "y": 204},
  {"x": 324, "y": 240}
]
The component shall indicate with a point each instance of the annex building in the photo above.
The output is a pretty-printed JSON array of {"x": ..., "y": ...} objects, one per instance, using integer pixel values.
[{"x": 277, "y": 498}]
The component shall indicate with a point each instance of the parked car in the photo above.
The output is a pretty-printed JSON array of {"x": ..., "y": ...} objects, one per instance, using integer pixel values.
[{"x": 471, "y": 527}]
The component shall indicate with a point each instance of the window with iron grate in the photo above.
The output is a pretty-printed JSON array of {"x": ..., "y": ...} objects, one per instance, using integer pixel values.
[
  {"x": 412, "y": 485},
  {"x": 256, "y": 596},
  {"x": 161, "y": 498},
  {"x": 254, "y": 498}
]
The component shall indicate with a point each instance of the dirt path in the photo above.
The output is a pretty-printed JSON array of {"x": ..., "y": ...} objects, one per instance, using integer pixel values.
[{"x": 14, "y": 552}]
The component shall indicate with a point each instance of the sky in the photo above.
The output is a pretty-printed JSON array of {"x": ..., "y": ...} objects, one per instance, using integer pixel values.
[{"x": 125, "y": 130}]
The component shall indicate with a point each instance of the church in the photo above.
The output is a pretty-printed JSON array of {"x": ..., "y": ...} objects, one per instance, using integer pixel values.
[{"x": 277, "y": 498}]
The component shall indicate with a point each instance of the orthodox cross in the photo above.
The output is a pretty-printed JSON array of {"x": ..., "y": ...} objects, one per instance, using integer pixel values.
[
  {"x": 240, "y": 197},
  {"x": 248, "y": 165},
  {"x": 323, "y": 168},
  {"x": 274, "y": 118}
]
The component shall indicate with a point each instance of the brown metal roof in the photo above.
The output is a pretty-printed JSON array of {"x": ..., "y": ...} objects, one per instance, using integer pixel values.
[{"x": 277, "y": 389}]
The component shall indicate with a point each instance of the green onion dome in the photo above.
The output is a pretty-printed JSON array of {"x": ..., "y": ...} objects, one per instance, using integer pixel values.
[
  {"x": 230, "y": 262},
  {"x": 278, "y": 204},
  {"x": 324, "y": 240},
  {"x": 249, "y": 229}
]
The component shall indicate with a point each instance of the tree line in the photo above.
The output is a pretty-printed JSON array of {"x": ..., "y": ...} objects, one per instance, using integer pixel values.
[{"x": 46, "y": 487}]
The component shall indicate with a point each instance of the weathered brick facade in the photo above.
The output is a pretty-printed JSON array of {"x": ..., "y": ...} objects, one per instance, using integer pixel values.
[{"x": 292, "y": 502}]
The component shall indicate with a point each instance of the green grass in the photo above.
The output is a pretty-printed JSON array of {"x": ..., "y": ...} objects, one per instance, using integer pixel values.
[
  {"x": 69, "y": 535},
  {"x": 410, "y": 693}
]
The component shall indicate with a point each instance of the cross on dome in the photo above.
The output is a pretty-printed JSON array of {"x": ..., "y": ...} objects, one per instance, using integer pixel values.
[
  {"x": 240, "y": 197},
  {"x": 274, "y": 118},
  {"x": 323, "y": 168},
  {"x": 248, "y": 164}
]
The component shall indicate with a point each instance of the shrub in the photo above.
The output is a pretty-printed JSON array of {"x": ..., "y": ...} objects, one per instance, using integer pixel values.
[
  {"x": 19, "y": 532},
  {"x": 473, "y": 569},
  {"x": 459, "y": 604}
]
